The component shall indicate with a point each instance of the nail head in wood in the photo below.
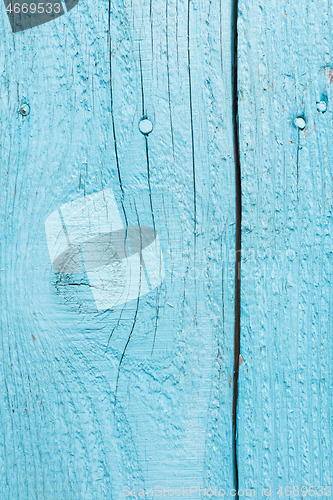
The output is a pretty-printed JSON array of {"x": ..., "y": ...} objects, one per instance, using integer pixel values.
[
  {"x": 321, "y": 106},
  {"x": 145, "y": 126},
  {"x": 24, "y": 109},
  {"x": 300, "y": 122}
]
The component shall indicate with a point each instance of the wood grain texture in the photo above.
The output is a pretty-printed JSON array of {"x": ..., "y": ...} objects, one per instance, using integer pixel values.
[
  {"x": 61, "y": 436},
  {"x": 285, "y": 405}
]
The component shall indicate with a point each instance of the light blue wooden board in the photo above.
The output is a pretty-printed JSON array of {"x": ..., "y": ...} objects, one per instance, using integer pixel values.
[
  {"x": 285, "y": 403},
  {"x": 60, "y": 435}
]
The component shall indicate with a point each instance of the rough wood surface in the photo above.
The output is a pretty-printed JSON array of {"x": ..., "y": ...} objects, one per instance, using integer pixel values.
[
  {"x": 284, "y": 418},
  {"x": 61, "y": 435}
]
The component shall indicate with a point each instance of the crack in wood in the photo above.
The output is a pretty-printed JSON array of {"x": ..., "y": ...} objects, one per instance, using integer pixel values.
[{"x": 238, "y": 246}]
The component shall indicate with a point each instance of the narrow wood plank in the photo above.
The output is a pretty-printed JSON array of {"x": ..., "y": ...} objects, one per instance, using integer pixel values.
[
  {"x": 285, "y": 64},
  {"x": 62, "y": 436}
]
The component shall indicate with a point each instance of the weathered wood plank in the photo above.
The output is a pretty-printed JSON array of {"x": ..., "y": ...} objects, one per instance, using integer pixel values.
[
  {"x": 62, "y": 436},
  {"x": 285, "y": 56}
]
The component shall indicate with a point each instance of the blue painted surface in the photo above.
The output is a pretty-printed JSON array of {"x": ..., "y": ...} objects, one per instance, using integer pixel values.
[
  {"x": 61, "y": 434},
  {"x": 285, "y": 405}
]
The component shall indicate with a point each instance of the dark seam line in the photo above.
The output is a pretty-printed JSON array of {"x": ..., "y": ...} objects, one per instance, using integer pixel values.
[
  {"x": 134, "y": 319},
  {"x": 113, "y": 120},
  {"x": 297, "y": 162},
  {"x": 238, "y": 247},
  {"x": 144, "y": 116},
  {"x": 192, "y": 126}
]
